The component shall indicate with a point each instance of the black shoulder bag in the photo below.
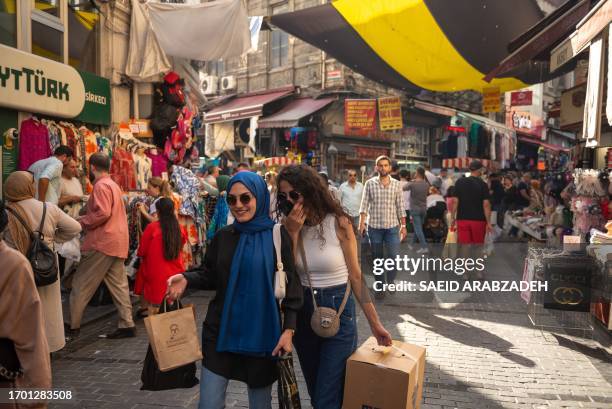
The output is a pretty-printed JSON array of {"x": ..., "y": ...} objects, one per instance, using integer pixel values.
[{"x": 42, "y": 259}]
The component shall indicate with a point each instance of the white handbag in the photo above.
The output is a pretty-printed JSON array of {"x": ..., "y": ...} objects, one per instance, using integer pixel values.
[{"x": 280, "y": 277}]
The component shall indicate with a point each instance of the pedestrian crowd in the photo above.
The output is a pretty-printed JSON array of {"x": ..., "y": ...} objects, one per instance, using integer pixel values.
[{"x": 324, "y": 228}]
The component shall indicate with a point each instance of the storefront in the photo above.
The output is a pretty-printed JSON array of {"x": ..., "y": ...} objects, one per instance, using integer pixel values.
[
  {"x": 471, "y": 137},
  {"x": 231, "y": 128},
  {"x": 46, "y": 102},
  {"x": 294, "y": 130}
]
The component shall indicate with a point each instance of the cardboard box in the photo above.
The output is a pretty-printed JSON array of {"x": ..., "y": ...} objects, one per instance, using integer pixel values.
[{"x": 385, "y": 377}]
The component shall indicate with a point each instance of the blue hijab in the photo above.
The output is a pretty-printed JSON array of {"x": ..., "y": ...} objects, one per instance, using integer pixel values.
[{"x": 250, "y": 322}]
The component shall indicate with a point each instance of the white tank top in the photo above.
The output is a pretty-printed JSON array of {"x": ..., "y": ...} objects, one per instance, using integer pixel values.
[{"x": 325, "y": 261}]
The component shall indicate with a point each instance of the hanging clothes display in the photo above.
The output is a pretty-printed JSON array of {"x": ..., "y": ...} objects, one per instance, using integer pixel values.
[
  {"x": 159, "y": 163},
  {"x": 462, "y": 145},
  {"x": 122, "y": 169},
  {"x": 142, "y": 165},
  {"x": 55, "y": 137},
  {"x": 34, "y": 143}
]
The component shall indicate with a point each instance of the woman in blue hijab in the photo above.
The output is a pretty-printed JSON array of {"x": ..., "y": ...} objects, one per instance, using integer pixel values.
[{"x": 243, "y": 330}]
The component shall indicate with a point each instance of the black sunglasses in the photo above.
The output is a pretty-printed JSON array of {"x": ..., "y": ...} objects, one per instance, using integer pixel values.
[
  {"x": 244, "y": 198},
  {"x": 294, "y": 195}
]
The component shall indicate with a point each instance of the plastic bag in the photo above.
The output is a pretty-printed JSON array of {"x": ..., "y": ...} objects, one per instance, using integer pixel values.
[
  {"x": 288, "y": 394},
  {"x": 450, "y": 245},
  {"x": 70, "y": 250},
  {"x": 488, "y": 244}
]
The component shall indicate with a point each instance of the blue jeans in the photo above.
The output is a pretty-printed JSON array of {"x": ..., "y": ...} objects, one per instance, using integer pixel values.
[
  {"x": 213, "y": 387},
  {"x": 418, "y": 219},
  {"x": 378, "y": 239},
  {"x": 323, "y": 360}
]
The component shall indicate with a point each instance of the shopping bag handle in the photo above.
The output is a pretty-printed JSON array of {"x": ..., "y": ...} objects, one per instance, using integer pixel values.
[{"x": 164, "y": 306}]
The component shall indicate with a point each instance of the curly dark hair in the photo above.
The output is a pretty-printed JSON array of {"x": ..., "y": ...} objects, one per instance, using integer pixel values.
[{"x": 318, "y": 200}]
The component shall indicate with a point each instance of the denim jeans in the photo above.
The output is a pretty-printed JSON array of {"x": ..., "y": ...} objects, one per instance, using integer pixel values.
[
  {"x": 323, "y": 360},
  {"x": 418, "y": 219},
  {"x": 213, "y": 387},
  {"x": 378, "y": 239}
]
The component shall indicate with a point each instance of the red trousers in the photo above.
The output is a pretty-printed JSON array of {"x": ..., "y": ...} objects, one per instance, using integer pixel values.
[{"x": 471, "y": 231}]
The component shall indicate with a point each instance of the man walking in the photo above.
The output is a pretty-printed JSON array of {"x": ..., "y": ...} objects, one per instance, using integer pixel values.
[
  {"x": 48, "y": 172},
  {"x": 351, "y": 193},
  {"x": 382, "y": 210},
  {"x": 473, "y": 214},
  {"x": 418, "y": 190},
  {"x": 104, "y": 251}
]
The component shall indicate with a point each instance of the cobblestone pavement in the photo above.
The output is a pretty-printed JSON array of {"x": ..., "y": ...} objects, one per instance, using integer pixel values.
[{"x": 479, "y": 355}]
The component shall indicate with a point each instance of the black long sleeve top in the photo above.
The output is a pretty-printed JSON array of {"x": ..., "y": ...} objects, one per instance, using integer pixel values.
[{"x": 214, "y": 274}]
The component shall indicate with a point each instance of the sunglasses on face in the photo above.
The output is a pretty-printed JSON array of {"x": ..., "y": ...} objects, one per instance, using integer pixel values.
[
  {"x": 294, "y": 195},
  {"x": 244, "y": 198}
]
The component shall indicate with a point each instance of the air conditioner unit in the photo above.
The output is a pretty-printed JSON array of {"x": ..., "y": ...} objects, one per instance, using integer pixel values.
[
  {"x": 209, "y": 84},
  {"x": 228, "y": 83}
]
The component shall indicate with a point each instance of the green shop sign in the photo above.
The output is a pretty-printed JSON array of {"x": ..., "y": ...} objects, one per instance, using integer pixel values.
[
  {"x": 97, "y": 108},
  {"x": 35, "y": 84}
]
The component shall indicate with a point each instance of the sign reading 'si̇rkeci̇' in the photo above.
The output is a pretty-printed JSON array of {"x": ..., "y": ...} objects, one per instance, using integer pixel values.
[{"x": 36, "y": 84}]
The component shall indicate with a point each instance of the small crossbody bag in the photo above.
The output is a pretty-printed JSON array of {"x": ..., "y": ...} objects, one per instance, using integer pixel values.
[
  {"x": 280, "y": 277},
  {"x": 325, "y": 321}
]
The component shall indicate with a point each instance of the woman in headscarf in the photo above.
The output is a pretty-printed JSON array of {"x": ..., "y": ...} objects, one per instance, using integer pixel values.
[
  {"x": 58, "y": 227},
  {"x": 221, "y": 215},
  {"x": 243, "y": 329}
]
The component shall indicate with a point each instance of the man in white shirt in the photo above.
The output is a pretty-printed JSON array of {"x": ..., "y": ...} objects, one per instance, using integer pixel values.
[
  {"x": 71, "y": 190},
  {"x": 351, "y": 192},
  {"x": 48, "y": 172}
]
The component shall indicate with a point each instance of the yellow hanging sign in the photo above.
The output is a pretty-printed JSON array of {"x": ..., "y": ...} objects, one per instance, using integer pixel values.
[{"x": 491, "y": 99}]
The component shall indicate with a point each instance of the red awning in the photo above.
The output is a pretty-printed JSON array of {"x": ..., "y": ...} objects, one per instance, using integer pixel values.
[
  {"x": 293, "y": 112},
  {"x": 545, "y": 145},
  {"x": 245, "y": 106}
]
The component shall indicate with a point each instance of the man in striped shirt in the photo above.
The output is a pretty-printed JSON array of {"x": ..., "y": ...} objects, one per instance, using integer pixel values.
[{"x": 382, "y": 212}]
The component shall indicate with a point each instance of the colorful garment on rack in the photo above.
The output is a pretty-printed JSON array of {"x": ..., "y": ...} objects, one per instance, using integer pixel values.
[
  {"x": 159, "y": 163},
  {"x": 33, "y": 142},
  {"x": 193, "y": 239},
  {"x": 142, "y": 164},
  {"x": 104, "y": 145},
  {"x": 122, "y": 169},
  {"x": 188, "y": 186},
  {"x": 135, "y": 225},
  {"x": 55, "y": 137}
]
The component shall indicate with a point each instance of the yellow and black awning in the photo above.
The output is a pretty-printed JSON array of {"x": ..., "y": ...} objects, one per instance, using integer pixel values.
[{"x": 439, "y": 45}]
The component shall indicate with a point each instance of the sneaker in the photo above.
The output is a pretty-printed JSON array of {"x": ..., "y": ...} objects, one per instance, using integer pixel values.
[
  {"x": 121, "y": 333},
  {"x": 423, "y": 251},
  {"x": 71, "y": 334}
]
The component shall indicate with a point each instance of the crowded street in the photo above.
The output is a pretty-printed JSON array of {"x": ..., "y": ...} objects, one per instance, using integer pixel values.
[
  {"x": 479, "y": 355},
  {"x": 346, "y": 204}
]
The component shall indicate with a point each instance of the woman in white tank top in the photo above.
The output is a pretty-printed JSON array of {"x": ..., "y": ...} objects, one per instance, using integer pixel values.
[{"x": 323, "y": 235}]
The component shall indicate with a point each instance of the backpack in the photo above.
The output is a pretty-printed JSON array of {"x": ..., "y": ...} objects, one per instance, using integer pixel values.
[{"x": 42, "y": 259}]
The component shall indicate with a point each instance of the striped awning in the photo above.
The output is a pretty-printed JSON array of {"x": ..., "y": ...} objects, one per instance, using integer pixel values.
[
  {"x": 275, "y": 161},
  {"x": 439, "y": 45},
  {"x": 464, "y": 163}
]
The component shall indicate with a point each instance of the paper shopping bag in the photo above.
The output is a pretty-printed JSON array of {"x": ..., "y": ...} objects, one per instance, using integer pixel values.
[{"x": 173, "y": 337}]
